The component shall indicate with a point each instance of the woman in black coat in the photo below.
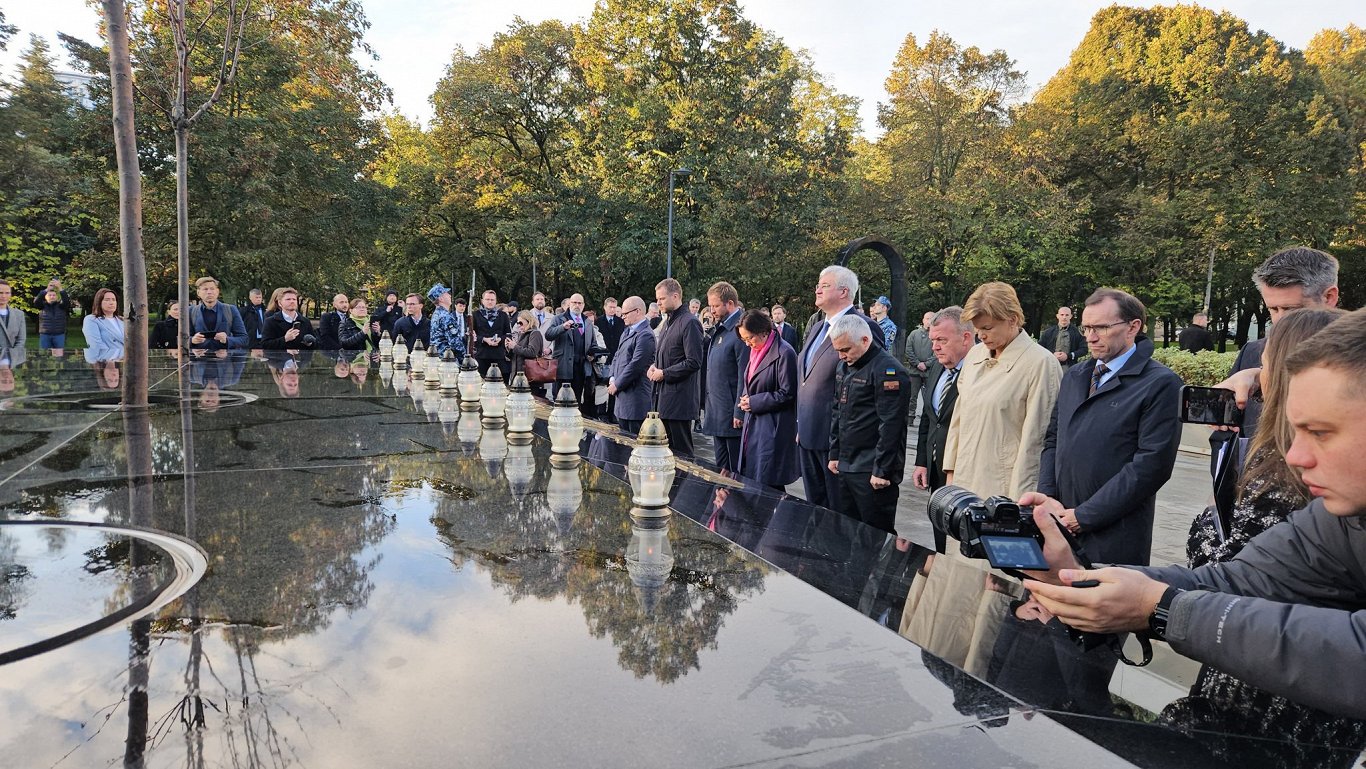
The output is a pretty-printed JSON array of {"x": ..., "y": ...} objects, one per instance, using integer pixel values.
[
  {"x": 165, "y": 331},
  {"x": 768, "y": 442}
]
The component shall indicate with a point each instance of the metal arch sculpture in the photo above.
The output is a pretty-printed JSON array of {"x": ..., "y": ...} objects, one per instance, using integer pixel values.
[{"x": 897, "y": 266}]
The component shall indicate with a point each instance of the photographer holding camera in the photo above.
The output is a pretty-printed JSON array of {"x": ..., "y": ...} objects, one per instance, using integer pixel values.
[
  {"x": 288, "y": 329},
  {"x": 1288, "y": 614}
]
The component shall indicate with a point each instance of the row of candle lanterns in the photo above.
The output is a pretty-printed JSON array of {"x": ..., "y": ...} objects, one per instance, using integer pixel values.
[{"x": 650, "y": 470}]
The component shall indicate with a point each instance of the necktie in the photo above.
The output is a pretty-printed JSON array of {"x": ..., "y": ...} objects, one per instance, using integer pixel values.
[
  {"x": 1097, "y": 376},
  {"x": 945, "y": 382},
  {"x": 816, "y": 343}
]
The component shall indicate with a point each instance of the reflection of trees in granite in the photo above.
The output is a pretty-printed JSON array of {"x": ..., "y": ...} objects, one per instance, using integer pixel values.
[
  {"x": 528, "y": 552},
  {"x": 13, "y": 577}
]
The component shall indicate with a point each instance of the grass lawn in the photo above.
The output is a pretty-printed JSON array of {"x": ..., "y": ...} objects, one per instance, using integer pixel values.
[{"x": 75, "y": 338}]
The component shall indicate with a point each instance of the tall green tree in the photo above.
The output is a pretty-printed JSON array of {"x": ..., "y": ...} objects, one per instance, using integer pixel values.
[
  {"x": 1183, "y": 131},
  {"x": 43, "y": 223},
  {"x": 950, "y": 183}
]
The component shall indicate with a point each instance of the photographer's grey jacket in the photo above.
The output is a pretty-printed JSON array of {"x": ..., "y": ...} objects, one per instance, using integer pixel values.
[
  {"x": 1288, "y": 614},
  {"x": 1107, "y": 454}
]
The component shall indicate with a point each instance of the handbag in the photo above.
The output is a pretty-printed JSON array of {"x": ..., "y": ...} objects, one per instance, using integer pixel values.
[{"x": 541, "y": 369}]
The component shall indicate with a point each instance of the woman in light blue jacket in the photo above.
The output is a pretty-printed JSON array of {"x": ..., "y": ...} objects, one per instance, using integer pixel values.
[{"x": 104, "y": 330}]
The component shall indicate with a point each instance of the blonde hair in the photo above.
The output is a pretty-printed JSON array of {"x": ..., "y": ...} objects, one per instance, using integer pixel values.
[
  {"x": 1266, "y": 454},
  {"x": 994, "y": 300}
]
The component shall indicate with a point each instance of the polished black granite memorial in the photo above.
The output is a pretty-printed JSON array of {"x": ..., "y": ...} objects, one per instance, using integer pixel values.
[{"x": 387, "y": 584}]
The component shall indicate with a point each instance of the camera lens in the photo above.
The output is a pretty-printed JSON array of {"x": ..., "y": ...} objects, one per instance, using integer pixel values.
[{"x": 948, "y": 510}]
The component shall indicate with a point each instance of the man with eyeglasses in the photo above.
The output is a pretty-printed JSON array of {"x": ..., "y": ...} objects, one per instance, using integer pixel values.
[{"x": 1112, "y": 439}]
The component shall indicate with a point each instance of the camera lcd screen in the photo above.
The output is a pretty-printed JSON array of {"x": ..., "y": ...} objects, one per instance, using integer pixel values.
[
  {"x": 1210, "y": 406},
  {"x": 1014, "y": 553}
]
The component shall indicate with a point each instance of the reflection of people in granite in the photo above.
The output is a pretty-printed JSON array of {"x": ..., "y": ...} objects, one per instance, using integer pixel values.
[
  {"x": 284, "y": 369},
  {"x": 213, "y": 372},
  {"x": 884, "y": 594},
  {"x": 1035, "y": 660},
  {"x": 956, "y": 608},
  {"x": 107, "y": 374}
]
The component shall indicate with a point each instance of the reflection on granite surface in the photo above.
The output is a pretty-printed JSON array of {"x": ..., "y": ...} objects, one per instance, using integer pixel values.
[{"x": 391, "y": 585}]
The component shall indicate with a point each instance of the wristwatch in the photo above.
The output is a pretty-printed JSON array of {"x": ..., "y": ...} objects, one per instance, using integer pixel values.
[{"x": 1157, "y": 621}]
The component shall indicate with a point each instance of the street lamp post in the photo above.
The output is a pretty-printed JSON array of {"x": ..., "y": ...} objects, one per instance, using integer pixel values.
[{"x": 669, "y": 249}]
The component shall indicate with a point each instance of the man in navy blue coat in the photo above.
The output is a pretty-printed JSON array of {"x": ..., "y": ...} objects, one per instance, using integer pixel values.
[
  {"x": 633, "y": 394},
  {"x": 727, "y": 358},
  {"x": 1113, "y": 437}
]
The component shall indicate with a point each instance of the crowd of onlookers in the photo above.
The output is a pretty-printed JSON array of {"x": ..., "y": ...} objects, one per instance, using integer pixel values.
[{"x": 1083, "y": 423}]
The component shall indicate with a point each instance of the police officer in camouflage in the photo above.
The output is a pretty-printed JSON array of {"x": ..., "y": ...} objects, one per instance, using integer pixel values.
[{"x": 868, "y": 424}]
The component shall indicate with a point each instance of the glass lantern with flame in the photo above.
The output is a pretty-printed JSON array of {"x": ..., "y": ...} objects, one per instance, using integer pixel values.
[
  {"x": 649, "y": 558},
  {"x": 521, "y": 408},
  {"x": 469, "y": 384},
  {"x": 433, "y": 369},
  {"x": 651, "y": 468},
  {"x": 450, "y": 374},
  {"x": 417, "y": 361},
  {"x": 400, "y": 353},
  {"x": 386, "y": 348},
  {"x": 493, "y": 398},
  {"x": 566, "y": 428}
]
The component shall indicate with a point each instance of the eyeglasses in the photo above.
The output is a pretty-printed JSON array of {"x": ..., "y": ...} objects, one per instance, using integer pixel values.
[
  {"x": 633, "y": 309},
  {"x": 1089, "y": 330}
]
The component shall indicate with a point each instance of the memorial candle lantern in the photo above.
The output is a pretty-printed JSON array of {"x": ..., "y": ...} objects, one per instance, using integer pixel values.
[
  {"x": 418, "y": 360},
  {"x": 493, "y": 398},
  {"x": 400, "y": 353},
  {"x": 566, "y": 428},
  {"x": 450, "y": 374},
  {"x": 650, "y": 470},
  {"x": 521, "y": 407},
  {"x": 469, "y": 384},
  {"x": 386, "y": 347},
  {"x": 433, "y": 369}
]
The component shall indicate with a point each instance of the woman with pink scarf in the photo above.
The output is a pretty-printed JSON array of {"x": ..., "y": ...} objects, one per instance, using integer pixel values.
[{"x": 768, "y": 442}]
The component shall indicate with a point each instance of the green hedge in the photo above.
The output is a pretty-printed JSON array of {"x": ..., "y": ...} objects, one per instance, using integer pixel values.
[{"x": 1204, "y": 369}]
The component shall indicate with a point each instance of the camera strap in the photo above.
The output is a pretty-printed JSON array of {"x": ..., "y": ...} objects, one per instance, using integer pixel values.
[{"x": 1113, "y": 641}]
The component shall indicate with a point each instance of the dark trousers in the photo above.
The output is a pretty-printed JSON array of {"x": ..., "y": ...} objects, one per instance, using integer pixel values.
[
  {"x": 917, "y": 384},
  {"x": 822, "y": 487},
  {"x": 680, "y": 436},
  {"x": 862, "y": 502},
  {"x": 630, "y": 426},
  {"x": 727, "y": 449},
  {"x": 579, "y": 384},
  {"x": 485, "y": 363}
]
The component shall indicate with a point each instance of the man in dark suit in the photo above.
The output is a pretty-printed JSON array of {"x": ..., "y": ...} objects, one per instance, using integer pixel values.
[
  {"x": 288, "y": 329},
  {"x": 786, "y": 331},
  {"x": 329, "y": 325},
  {"x": 611, "y": 326},
  {"x": 1114, "y": 433},
  {"x": 570, "y": 338},
  {"x": 414, "y": 327},
  {"x": 678, "y": 358},
  {"x": 727, "y": 359},
  {"x": 254, "y": 318},
  {"x": 630, "y": 390},
  {"x": 951, "y": 339},
  {"x": 835, "y": 290},
  {"x": 1195, "y": 337},
  {"x": 490, "y": 328},
  {"x": 1063, "y": 340}
]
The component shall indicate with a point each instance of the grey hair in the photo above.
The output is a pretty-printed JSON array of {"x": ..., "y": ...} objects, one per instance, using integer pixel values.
[
  {"x": 1314, "y": 271},
  {"x": 850, "y": 325},
  {"x": 952, "y": 314},
  {"x": 844, "y": 278}
]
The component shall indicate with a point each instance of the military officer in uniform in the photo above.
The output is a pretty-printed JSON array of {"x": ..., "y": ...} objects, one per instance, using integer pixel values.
[{"x": 868, "y": 424}]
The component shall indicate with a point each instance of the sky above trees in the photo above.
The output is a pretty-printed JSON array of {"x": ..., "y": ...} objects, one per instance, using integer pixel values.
[{"x": 852, "y": 43}]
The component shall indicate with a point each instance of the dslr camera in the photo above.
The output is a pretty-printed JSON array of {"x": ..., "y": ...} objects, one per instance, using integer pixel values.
[{"x": 995, "y": 528}]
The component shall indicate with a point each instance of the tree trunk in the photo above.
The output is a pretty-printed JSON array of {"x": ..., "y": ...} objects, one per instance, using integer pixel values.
[
  {"x": 130, "y": 207},
  {"x": 182, "y": 223}
]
